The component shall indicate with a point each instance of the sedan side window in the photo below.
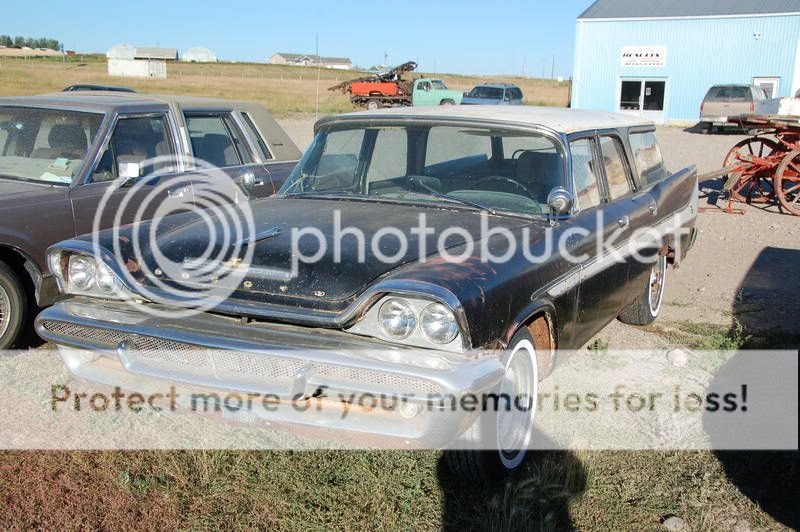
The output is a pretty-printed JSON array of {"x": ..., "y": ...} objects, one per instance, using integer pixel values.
[
  {"x": 648, "y": 158},
  {"x": 586, "y": 189},
  {"x": 614, "y": 165},
  {"x": 216, "y": 140},
  {"x": 142, "y": 141}
]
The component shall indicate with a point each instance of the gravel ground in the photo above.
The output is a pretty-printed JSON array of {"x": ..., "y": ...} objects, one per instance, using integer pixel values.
[{"x": 735, "y": 270}]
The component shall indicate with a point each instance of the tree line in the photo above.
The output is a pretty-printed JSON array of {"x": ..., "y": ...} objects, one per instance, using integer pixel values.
[{"x": 19, "y": 42}]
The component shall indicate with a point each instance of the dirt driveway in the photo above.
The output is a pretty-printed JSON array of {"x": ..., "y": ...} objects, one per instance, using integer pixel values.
[{"x": 740, "y": 270}]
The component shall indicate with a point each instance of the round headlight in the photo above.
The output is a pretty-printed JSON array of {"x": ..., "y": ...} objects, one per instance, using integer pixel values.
[
  {"x": 438, "y": 324},
  {"x": 81, "y": 271},
  {"x": 106, "y": 280},
  {"x": 397, "y": 319}
]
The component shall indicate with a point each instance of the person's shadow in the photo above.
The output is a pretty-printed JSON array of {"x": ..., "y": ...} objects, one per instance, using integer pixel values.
[{"x": 535, "y": 498}]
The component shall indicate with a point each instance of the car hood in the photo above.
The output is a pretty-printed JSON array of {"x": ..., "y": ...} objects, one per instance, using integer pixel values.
[
  {"x": 15, "y": 187},
  {"x": 339, "y": 273}
]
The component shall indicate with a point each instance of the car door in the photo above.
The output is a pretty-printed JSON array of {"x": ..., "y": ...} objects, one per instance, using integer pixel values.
[
  {"x": 634, "y": 210},
  {"x": 217, "y": 139},
  {"x": 279, "y": 170},
  {"x": 135, "y": 177},
  {"x": 423, "y": 93},
  {"x": 595, "y": 231}
]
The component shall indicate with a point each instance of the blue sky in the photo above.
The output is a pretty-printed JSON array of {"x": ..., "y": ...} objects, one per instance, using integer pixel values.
[{"x": 469, "y": 36}]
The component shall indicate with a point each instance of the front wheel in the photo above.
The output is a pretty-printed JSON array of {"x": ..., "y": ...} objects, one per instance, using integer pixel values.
[
  {"x": 12, "y": 307},
  {"x": 507, "y": 432},
  {"x": 447, "y": 102},
  {"x": 644, "y": 310},
  {"x": 374, "y": 105}
]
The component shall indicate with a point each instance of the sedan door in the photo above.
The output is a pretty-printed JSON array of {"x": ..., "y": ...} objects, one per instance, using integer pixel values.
[
  {"x": 135, "y": 177},
  {"x": 217, "y": 140}
]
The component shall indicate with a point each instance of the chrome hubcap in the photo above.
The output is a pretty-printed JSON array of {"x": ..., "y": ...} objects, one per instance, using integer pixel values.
[
  {"x": 5, "y": 311},
  {"x": 657, "y": 276},
  {"x": 520, "y": 385}
]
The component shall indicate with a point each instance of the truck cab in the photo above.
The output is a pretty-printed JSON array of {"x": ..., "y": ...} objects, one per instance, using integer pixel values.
[{"x": 429, "y": 91}]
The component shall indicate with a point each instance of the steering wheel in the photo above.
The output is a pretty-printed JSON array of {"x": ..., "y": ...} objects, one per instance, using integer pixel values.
[{"x": 506, "y": 180}]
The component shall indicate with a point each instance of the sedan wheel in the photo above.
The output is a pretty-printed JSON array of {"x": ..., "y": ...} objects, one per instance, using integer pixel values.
[
  {"x": 644, "y": 310},
  {"x": 12, "y": 306}
]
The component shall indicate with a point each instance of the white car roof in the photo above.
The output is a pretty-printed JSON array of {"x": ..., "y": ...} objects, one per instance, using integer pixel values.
[{"x": 558, "y": 119}]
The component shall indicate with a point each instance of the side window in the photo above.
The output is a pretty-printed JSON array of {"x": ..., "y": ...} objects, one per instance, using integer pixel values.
[
  {"x": 583, "y": 170},
  {"x": 424, "y": 86},
  {"x": 389, "y": 156},
  {"x": 647, "y": 154},
  {"x": 141, "y": 140},
  {"x": 614, "y": 165},
  {"x": 263, "y": 149},
  {"x": 216, "y": 139}
]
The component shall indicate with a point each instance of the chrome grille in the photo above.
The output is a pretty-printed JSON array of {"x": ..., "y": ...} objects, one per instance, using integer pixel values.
[{"x": 239, "y": 367}]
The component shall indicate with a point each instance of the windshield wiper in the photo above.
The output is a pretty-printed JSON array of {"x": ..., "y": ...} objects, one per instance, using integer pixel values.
[{"x": 441, "y": 195}]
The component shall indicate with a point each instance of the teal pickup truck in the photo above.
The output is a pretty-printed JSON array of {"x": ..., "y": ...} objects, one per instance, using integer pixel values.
[{"x": 434, "y": 92}]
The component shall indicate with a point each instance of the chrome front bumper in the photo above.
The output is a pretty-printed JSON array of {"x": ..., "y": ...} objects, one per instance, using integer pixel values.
[{"x": 138, "y": 352}]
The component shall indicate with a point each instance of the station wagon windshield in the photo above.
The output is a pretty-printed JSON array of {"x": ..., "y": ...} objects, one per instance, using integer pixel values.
[
  {"x": 46, "y": 145},
  {"x": 474, "y": 167}
]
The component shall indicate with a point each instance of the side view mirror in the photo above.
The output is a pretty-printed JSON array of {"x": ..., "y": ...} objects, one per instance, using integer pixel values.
[{"x": 560, "y": 201}]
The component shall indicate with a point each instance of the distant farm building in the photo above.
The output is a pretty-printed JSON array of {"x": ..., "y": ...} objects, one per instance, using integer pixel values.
[
  {"x": 311, "y": 60},
  {"x": 125, "y": 60},
  {"x": 199, "y": 55}
]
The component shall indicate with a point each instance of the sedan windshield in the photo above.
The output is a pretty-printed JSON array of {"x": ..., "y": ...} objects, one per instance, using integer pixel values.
[
  {"x": 44, "y": 144},
  {"x": 493, "y": 169}
]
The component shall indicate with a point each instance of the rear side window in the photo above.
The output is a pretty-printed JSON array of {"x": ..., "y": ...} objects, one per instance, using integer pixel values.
[
  {"x": 216, "y": 139},
  {"x": 263, "y": 149},
  {"x": 614, "y": 165},
  {"x": 583, "y": 170},
  {"x": 647, "y": 154}
]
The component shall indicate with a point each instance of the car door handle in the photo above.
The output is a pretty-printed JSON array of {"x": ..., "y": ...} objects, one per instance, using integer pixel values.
[
  {"x": 178, "y": 192},
  {"x": 259, "y": 182},
  {"x": 624, "y": 221},
  {"x": 653, "y": 208}
]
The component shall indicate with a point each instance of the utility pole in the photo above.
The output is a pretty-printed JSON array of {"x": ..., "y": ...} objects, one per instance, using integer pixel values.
[
  {"x": 523, "y": 66},
  {"x": 553, "y": 68},
  {"x": 319, "y": 66}
]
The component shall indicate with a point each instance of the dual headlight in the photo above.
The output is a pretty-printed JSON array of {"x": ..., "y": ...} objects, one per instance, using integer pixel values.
[
  {"x": 412, "y": 321},
  {"x": 398, "y": 319},
  {"x": 82, "y": 274}
]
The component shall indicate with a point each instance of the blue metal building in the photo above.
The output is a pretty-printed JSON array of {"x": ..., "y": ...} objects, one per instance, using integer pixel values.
[{"x": 658, "y": 58}]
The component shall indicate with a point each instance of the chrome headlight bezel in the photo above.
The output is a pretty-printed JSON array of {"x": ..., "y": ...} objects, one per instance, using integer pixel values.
[
  {"x": 103, "y": 282},
  {"x": 370, "y": 323}
]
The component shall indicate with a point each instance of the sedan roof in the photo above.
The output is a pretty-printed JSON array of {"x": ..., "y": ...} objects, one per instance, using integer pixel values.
[{"x": 557, "y": 119}]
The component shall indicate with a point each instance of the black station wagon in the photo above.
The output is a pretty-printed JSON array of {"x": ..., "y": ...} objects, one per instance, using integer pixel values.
[{"x": 422, "y": 252}]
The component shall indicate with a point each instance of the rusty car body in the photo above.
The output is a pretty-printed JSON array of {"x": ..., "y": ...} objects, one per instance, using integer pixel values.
[
  {"x": 61, "y": 154},
  {"x": 420, "y": 324}
]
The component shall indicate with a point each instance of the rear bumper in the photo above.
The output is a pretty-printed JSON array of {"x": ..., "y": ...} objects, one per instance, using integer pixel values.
[{"x": 289, "y": 364}]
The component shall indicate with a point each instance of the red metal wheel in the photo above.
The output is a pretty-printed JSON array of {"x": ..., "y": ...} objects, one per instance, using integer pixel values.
[
  {"x": 787, "y": 182},
  {"x": 756, "y": 157}
]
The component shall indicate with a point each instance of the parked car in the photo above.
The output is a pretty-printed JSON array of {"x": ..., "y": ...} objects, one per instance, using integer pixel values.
[
  {"x": 95, "y": 87},
  {"x": 390, "y": 318},
  {"x": 726, "y": 101},
  {"x": 61, "y": 153},
  {"x": 493, "y": 94}
]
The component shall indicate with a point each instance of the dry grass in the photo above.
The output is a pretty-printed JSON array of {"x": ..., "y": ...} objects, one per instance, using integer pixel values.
[{"x": 284, "y": 90}]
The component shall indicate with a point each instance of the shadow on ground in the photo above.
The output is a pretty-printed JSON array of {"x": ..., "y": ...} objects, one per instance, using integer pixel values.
[
  {"x": 535, "y": 498},
  {"x": 766, "y": 306}
]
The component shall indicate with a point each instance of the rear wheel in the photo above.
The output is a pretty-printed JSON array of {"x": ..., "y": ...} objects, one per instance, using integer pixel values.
[
  {"x": 644, "y": 310},
  {"x": 374, "y": 104},
  {"x": 447, "y": 102},
  {"x": 509, "y": 432},
  {"x": 12, "y": 306},
  {"x": 787, "y": 183}
]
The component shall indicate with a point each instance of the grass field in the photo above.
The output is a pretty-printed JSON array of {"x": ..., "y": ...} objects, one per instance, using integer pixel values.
[{"x": 284, "y": 90}]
